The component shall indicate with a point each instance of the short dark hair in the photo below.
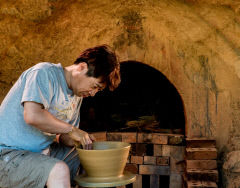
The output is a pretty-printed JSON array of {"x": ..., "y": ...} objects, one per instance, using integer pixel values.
[{"x": 102, "y": 63}]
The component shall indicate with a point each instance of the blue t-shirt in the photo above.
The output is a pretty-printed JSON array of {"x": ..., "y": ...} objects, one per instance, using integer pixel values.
[{"x": 43, "y": 83}]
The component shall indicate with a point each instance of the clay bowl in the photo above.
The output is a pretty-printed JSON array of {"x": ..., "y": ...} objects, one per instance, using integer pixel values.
[{"x": 106, "y": 159}]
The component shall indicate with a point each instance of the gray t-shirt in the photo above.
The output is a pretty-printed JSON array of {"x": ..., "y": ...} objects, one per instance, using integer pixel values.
[{"x": 43, "y": 83}]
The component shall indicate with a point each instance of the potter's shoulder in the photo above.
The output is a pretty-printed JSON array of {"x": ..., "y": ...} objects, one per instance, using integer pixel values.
[{"x": 45, "y": 66}]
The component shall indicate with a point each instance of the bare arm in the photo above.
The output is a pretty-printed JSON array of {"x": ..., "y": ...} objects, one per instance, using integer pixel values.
[{"x": 37, "y": 116}]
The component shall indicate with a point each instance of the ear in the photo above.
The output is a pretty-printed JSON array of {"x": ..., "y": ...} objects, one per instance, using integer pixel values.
[{"x": 82, "y": 67}]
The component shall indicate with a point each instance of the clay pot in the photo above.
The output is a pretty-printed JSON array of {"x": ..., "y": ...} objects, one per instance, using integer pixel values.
[{"x": 107, "y": 159}]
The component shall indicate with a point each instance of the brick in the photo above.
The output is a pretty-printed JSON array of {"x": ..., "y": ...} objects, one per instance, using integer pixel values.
[
  {"x": 175, "y": 181},
  {"x": 129, "y": 137},
  {"x": 200, "y": 184},
  {"x": 177, "y": 154},
  {"x": 144, "y": 138},
  {"x": 154, "y": 181},
  {"x": 176, "y": 166},
  {"x": 166, "y": 149},
  {"x": 157, "y": 150},
  {"x": 152, "y": 169},
  {"x": 159, "y": 139},
  {"x": 163, "y": 161},
  {"x": 114, "y": 136},
  {"x": 138, "y": 182},
  {"x": 136, "y": 159},
  {"x": 201, "y": 164},
  {"x": 200, "y": 143},
  {"x": 176, "y": 140},
  {"x": 154, "y": 138},
  {"x": 203, "y": 175},
  {"x": 100, "y": 136},
  {"x": 133, "y": 168},
  {"x": 149, "y": 160},
  {"x": 138, "y": 149},
  {"x": 201, "y": 153}
]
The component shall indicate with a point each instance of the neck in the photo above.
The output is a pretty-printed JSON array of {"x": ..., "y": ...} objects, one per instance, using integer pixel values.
[{"x": 68, "y": 75}]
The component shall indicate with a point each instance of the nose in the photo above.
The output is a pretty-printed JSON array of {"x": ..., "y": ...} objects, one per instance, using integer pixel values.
[{"x": 93, "y": 92}]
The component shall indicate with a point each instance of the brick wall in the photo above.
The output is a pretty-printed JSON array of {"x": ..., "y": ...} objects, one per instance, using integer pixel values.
[{"x": 152, "y": 157}]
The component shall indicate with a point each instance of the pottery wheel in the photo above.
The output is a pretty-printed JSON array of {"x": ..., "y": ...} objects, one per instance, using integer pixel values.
[{"x": 86, "y": 181}]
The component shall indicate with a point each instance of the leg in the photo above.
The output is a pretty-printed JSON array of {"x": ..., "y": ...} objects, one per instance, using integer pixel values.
[
  {"x": 59, "y": 176},
  {"x": 25, "y": 169},
  {"x": 60, "y": 151}
]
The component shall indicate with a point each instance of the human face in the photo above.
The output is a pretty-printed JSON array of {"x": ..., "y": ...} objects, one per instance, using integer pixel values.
[{"x": 85, "y": 86}]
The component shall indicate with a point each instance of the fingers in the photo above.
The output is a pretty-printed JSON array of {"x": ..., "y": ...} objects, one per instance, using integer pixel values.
[{"x": 92, "y": 137}]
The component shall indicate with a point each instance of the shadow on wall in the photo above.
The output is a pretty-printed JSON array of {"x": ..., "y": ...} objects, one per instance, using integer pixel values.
[{"x": 144, "y": 101}]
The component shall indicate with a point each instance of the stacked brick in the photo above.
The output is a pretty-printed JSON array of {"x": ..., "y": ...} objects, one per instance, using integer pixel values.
[
  {"x": 153, "y": 155},
  {"x": 201, "y": 165}
]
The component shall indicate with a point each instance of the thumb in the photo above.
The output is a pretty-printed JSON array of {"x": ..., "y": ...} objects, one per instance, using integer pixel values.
[{"x": 92, "y": 137}]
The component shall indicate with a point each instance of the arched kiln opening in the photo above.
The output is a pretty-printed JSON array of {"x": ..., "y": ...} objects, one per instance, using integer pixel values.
[{"x": 145, "y": 101}]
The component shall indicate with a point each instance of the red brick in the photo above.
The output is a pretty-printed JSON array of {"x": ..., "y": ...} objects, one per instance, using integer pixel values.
[
  {"x": 137, "y": 159},
  {"x": 201, "y": 164},
  {"x": 152, "y": 169},
  {"x": 157, "y": 150},
  {"x": 163, "y": 161},
  {"x": 201, "y": 184},
  {"x": 129, "y": 137},
  {"x": 149, "y": 160},
  {"x": 203, "y": 175},
  {"x": 100, "y": 136},
  {"x": 154, "y": 138},
  {"x": 201, "y": 153},
  {"x": 114, "y": 136},
  {"x": 166, "y": 149},
  {"x": 200, "y": 142},
  {"x": 159, "y": 139}
]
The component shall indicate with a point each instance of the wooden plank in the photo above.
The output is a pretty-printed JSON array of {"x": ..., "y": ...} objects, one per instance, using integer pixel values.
[
  {"x": 201, "y": 164},
  {"x": 138, "y": 182},
  {"x": 200, "y": 142},
  {"x": 201, "y": 153},
  {"x": 154, "y": 181},
  {"x": 203, "y": 175},
  {"x": 149, "y": 160},
  {"x": 152, "y": 169}
]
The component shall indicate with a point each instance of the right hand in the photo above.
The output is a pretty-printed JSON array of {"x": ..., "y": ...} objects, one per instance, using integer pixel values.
[{"x": 81, "y": 137}]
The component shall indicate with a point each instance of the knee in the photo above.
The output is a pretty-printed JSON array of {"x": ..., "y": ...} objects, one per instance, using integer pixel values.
[{"x": 60, "y": 170}]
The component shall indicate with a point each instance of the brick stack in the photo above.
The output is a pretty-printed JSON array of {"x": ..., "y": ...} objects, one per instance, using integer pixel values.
[
  {"x": 153, "y": 155},
  {"x": 201, "y": 165}
]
